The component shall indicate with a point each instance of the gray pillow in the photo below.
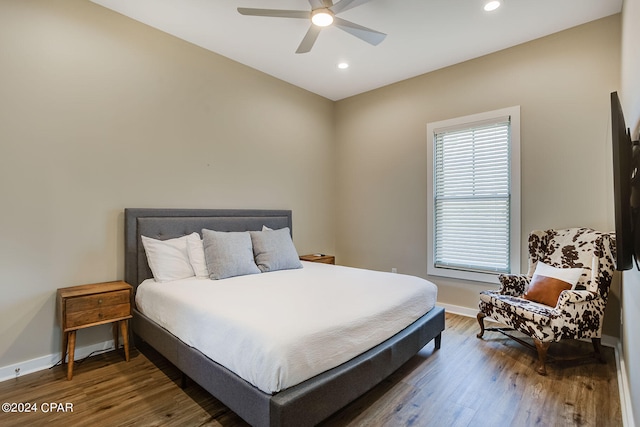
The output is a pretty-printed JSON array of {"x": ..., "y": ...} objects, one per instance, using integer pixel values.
[
  {"x": 274, "y": 250},
  {"x": 228, "y": 254}
]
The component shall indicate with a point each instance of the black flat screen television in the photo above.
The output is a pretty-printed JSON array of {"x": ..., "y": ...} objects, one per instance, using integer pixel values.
[{"x": 624, "y": 183}]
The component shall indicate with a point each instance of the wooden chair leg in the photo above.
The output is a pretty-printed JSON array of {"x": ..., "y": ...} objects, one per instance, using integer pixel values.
[
  {"x": 480, "y": 318},
  {"x": 542, "y": 348},
  {"x": 597, "y": 347}
]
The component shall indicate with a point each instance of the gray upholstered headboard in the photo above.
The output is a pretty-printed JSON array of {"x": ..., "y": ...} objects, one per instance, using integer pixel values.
[{"x": 169, "y": 223}]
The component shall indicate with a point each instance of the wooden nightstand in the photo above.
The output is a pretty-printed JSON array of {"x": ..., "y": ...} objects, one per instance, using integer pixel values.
[
  {"x": 90, "y": 305},
  {"x": 325, "y": 259}
]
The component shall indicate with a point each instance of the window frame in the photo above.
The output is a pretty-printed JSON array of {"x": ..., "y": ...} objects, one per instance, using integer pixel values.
[{"x": 471, "y": 121}]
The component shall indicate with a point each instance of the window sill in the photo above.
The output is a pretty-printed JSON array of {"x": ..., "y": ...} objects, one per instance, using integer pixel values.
[{"x": 472, "y": 276}]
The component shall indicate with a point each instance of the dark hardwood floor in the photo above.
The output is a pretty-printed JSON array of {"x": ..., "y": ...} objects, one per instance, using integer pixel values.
[{"x": 468, "y": 382}]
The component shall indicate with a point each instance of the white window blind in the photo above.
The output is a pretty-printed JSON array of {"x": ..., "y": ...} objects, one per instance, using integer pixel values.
[{"x": 472, "y": 197}]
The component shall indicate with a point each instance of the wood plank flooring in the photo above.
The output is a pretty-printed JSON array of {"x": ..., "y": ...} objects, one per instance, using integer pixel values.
[{"x": 468, "y": 382}]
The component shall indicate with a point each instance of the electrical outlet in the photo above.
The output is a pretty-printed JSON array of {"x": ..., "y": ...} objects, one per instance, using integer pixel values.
[
  {"x": 394, "y": 270},
  {"x": 17, "y": 370}
]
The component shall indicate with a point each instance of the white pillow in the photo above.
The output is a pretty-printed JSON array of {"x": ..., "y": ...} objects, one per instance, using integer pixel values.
[
  {"x": 195, "y": 250},
  {"x": 168, "y": 259},
  {"x": 569, "y": 275}
]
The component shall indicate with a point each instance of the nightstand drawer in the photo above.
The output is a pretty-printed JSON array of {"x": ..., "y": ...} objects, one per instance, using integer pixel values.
[
  {"x": 92, "y": 302},
  {"x": 326, "y": 260},
  {"x": 104, "y": 307},
  {"x": 101, "y": 314}
]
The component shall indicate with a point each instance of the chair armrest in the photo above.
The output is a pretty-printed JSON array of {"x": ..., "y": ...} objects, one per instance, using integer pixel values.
[
  {"x": 513, "y": 284},
  {"x": 573, "y": 297},
  {"x": 580, "y": 314}
]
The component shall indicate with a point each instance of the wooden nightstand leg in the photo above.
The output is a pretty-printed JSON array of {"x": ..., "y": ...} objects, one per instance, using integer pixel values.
[
  {"x": 72, "y": 349},
  {"x": 125, "y": 338},
  {"x": 116, "y": 335}
]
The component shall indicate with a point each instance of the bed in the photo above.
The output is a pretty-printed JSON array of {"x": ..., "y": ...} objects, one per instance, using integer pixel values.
[{"x": 305, "y": 403}]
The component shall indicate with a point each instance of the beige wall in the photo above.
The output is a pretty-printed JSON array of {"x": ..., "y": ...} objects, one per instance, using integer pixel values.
[
  {"x": 630, "y": 96},
  {"x": 562, "y": 83},
  {"x": 99, "y": 113}
]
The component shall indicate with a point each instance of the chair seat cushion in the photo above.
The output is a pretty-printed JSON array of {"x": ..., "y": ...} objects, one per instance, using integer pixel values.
[{"x": 530, "y": 310}]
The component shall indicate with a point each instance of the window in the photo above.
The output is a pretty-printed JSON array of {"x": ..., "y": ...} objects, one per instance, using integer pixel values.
[{"x": 474, "y": 196}]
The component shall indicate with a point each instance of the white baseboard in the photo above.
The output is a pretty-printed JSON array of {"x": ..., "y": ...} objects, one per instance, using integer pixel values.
[
  {"x": 623, "y": 387},
  {"x": 45, "y": 362},
  {"x": 460, "y": 310}
]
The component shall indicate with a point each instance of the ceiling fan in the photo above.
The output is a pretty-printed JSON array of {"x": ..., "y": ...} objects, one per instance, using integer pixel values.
[{"x": 323, "y": 13}]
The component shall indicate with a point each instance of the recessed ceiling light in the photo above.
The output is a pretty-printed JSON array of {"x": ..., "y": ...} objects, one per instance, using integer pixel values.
[
  {"x": 492, "y": 5},
  {"x": 343, "y": 65}
]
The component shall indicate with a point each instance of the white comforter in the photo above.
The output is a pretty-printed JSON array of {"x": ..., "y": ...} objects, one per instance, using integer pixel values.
[{"x": 278, "y": 329}]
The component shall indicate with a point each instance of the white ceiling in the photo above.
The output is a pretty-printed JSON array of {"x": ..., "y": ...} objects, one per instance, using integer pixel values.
[{"x": 422, "y": 35}]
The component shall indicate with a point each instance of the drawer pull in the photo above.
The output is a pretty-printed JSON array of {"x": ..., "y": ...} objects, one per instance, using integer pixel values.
[{"x": 99, "y": 301}]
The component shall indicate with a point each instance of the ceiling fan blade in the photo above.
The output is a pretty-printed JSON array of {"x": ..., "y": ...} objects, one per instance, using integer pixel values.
[
  {"x": 303, "y": 14},
  {"x": 343, "y": 5},
  {"x": 316, "y": 4},
  {"x": 309, "y": 39},
  {"x": 363, "y": 33}
]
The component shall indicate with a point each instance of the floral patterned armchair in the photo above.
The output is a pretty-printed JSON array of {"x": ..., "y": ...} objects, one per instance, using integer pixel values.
[{"x": 578, "y": 313}]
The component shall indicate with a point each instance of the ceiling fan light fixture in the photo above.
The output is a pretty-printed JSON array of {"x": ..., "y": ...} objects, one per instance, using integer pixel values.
[
  {"x": 491, "y": 5},
  {"x": 322, "y": 17}
]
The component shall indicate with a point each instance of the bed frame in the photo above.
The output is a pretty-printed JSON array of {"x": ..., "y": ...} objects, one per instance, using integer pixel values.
[{"x": 307, "y": 403}]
